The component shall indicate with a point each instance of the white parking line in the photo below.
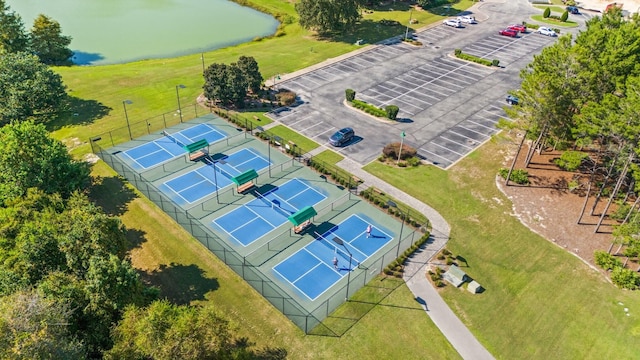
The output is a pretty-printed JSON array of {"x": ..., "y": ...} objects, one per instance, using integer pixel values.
[
  {"x": 440, "y": 156},
  {"x": 465, "y": 136},
  {"x": 446, "y": 148},
  {"x": 477, "y": 132},
  {"x": 457, "y": 143},
  {"x": 484, "y": 126},
  {"x": 300, "y": 120},
  {"x": 312, "y": 126}
]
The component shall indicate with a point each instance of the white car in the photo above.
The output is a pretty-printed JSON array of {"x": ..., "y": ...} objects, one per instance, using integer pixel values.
[
  {"x": 453, "y": 22},
  {"x": 546, "y": 31},
  {"x": 468, "y": 19}
]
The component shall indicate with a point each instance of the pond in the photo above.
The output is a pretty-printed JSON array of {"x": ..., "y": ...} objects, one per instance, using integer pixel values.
[{"x": 118, "y": 31}]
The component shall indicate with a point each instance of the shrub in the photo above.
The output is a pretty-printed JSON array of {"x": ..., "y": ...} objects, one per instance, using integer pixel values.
[
  {"x": 472, "y": 58},
  {"x": 606, "y": 260},
  {"x": 546, "y": 13},
  {"x": 350, "y": 94},
  {"x": 621, "y": 212},
  {"x": 518, "y": 176},
  {"x": 392, "y": 150},
  {"x": 446, "y": 252},
  {"x": 368, "y": 108},
  {"x": 531, "y": 26},
  {"x": 414, "y": 161},
  {"x": 438, "y": 283},
  {"x": 571, "y": 160},
  {"x": 449, "y": 261},
  {"x": 495, "y": 62},
  {"x": 457, "y": 52},
  {"x": 402, "y": 164},
  {"x": 392, "y": 111},
  {"x": 565, "y": 16},
  {"x": 625, "y": 278},
  {"x": 440, "y": 257},
  {"x": 286, "y": 97}
]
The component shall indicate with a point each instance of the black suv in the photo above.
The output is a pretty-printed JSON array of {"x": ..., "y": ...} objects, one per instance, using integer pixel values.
[
  {"x": 573, "y": 10},
  {"x": 341, "y": 137}
]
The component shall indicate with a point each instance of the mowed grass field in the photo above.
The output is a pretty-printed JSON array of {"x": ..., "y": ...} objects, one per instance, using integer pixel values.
[{"x": 540, "y": 301}]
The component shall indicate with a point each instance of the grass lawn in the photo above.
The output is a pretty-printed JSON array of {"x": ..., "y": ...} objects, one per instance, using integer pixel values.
[
  {"x": 186, "y": 272},
  {"x": 329, "y": 157},
  {"x": 552, "y": 22},
  {"x": 541, "y": 302}
]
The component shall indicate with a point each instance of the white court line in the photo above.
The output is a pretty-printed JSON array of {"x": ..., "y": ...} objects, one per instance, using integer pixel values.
[
  {"x": 240, "y": 227},
  {"x": 250, "y": 209},
  {"x": 152, "y": 153},
  {"x": 457, "y": 143},
  {"x": 178, "y": 193},
  {"x": 446, "y": 148},
  {"x": 431, "y": 152}
]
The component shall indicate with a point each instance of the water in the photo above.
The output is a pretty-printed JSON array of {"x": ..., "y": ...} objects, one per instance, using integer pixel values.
[{"x": 118, "y": 31}]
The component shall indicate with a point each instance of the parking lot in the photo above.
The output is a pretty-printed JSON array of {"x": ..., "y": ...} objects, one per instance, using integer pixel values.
[{"x": 448, "y": 107}]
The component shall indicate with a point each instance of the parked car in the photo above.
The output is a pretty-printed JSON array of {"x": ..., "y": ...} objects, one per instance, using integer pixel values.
[
  {"x": 341, "y": 137},
  {"x": 508, "y": 32},
  {"x": 468, "y": 19},
  {"x": 453, "y": 22},
  {"x": 573, "y": 10},
  {"x": 546, "y": 31},
  {"x": 518, "y": 27},
  {"x": 512, "y": 100}
]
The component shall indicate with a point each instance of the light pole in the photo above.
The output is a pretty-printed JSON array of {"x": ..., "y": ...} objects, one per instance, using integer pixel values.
[
  {"x": 394, "y": 205},
  {"x": 126, "y": 116},
  {"x": 178, "y": 87},
  {"x": 406, "y": 34},
  {"x": 339, "y": 241},
  {"x": 261, "y": 129},
  {"x": 215, "y": 177},
  {"x": 202, "y": 57}
]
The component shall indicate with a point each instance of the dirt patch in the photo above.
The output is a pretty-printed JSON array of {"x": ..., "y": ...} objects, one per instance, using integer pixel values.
[{"x": 549, "y": 208}]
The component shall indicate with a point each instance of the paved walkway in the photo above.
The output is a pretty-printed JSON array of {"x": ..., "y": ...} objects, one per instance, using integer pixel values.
[{"x": 415, "y": 268}]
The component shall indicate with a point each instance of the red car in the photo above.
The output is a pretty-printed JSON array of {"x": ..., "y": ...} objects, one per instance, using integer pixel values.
[
  {"x": 518, "y": 27},
  {"x": 508, "y": 32}
]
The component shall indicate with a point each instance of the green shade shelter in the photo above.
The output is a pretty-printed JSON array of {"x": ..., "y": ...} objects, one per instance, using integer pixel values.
[
  {"x": 198, "y": 145},
  {"x": 302, "y": 215},
  {"x": 245, "y": 177}
]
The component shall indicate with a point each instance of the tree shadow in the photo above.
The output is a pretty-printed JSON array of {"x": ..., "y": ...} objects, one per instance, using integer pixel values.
[
  {"x": 80, "y": 112},
  {"x": 135, "y": 238},
  {"x": 369, "y": 31},
  {"x": 180, "y": 283},
  {"x": 111, "y": 194}
]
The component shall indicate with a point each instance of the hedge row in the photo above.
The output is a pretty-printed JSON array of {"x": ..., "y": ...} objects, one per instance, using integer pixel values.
[
  {"x": 460, "y": 55},
  {"x": 396, "y": 268},
  {"x": 368, "y": 108},
  {"x": 335, "y": 173}
]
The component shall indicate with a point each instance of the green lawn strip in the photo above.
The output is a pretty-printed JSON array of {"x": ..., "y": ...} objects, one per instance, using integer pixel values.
[
  {"x": 552, "y": 22},
  {"x": 168, "y": 257},
  {"x": 329, "y": 157},
  {"x": 541, "y": 302},
  {"x": 305, "y": 144}
]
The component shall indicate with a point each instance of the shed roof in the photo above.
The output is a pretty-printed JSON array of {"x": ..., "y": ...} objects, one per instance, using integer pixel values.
[
  {"x": 303, "y": 215},
  {"x": 245, "y": 177}
]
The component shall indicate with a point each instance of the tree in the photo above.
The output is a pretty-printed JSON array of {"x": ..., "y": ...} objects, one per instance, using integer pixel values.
[
  {"x": 225, "y": 83},
  {"x": 13, "y": 37},
  {"x": 251, "y": 72},
  {"x": 327, "y": 16},
  {"x": 167, "y": 331},
  {"x": 48, "y": 42},
  {"x": 33, "y": 327},
  {"x": 28, "y": 89},
  {"x": 546, "y": 13},
  {"x": 29, "y": 157}
]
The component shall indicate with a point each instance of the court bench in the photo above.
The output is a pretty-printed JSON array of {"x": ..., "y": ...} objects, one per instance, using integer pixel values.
[
  {"x": 244, "y": 187},
  {"x": 197, "y": 150},
  {"x": 300, "y": 228}
]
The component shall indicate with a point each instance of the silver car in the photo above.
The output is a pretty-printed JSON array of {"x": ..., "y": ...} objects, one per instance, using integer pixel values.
[
  {"x": 546, "y": 31},
  {"x": 468, "y": 19}
]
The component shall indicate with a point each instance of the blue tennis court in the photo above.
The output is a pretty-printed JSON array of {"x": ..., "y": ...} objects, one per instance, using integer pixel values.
[
  {"x": 311, "y": 269},
  {"x": 268, "y": 211},
  {"x": 206, "y": 180},
  {"x": 170, "y": 146}
]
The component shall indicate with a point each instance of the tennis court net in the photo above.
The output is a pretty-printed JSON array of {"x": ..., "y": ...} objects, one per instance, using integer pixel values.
[
  {"x": 209, "y": 161},
  {"x": 336, "y": 250},
  {"x": 270, "y": 203},
  {"x": 172, "y": 138}
]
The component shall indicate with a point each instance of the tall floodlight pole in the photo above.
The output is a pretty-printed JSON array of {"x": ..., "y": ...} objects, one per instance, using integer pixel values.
[
  {"x": 178, "y": 87},
  {"x": 339, "y": 241},
  {"x": 202, "y": 57},
  {"x": 401, "y": 144},
  {"x": 261, "y": 129},
  {"x": 394, "y": 205},
  {"x": 406, "y": 34},
  {"x": 126, "y": 116}
]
